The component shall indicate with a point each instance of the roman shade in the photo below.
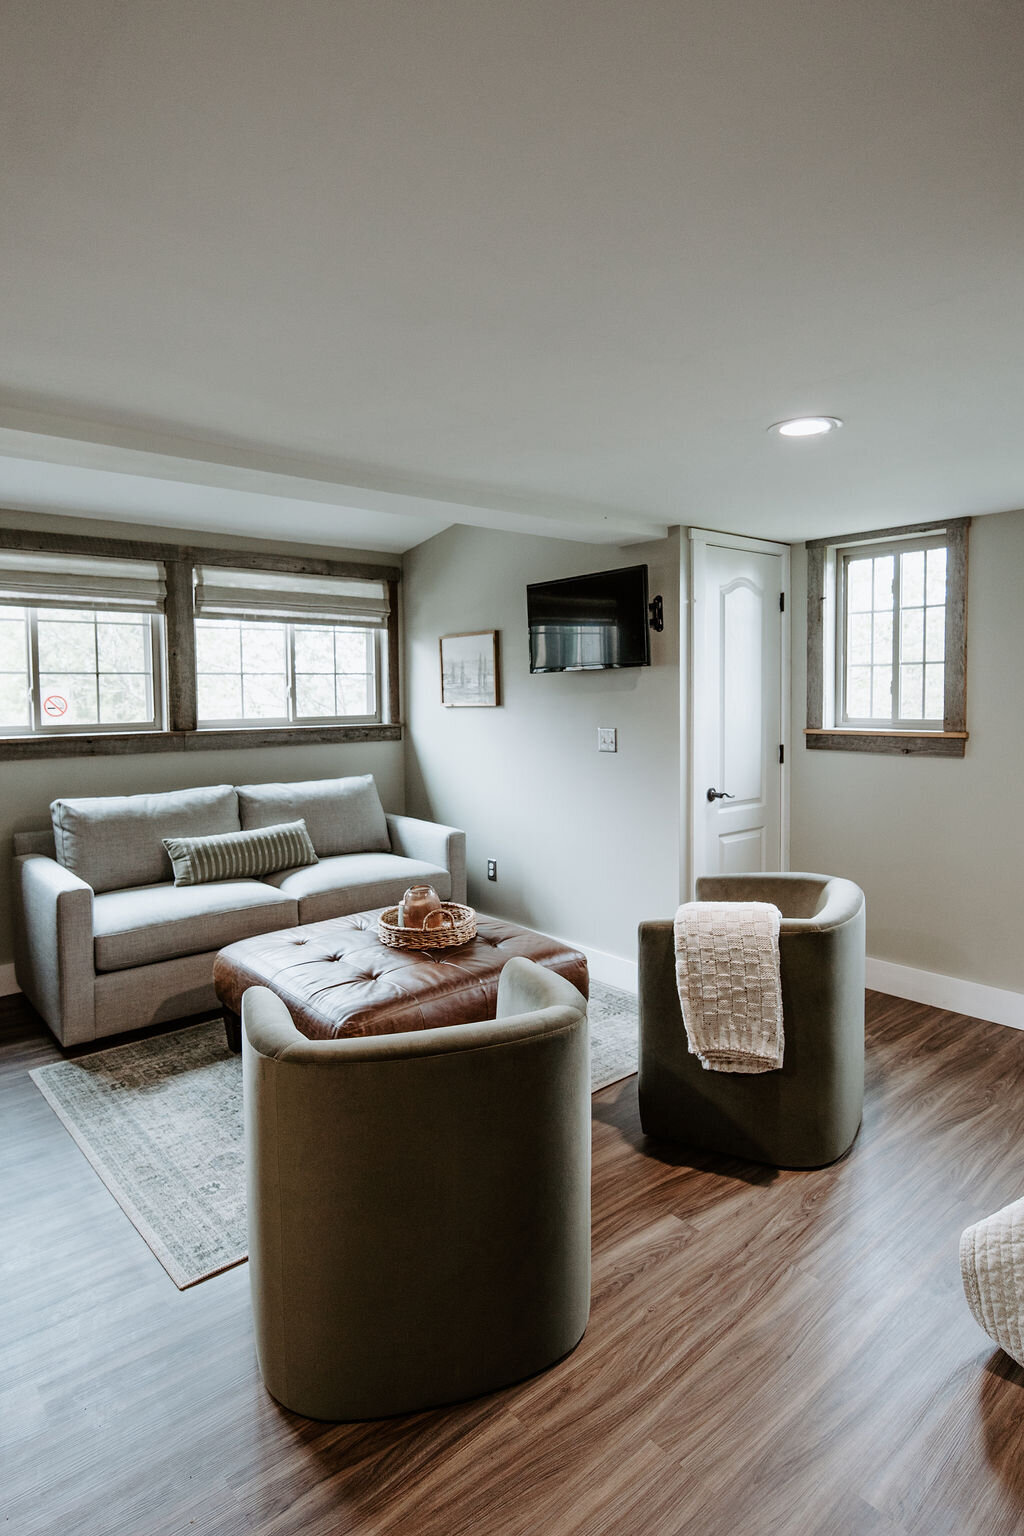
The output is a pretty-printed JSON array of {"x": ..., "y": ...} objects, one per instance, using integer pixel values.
[
  {"x": 38, "y": 580},
  {"x": 222, "y": 592}
]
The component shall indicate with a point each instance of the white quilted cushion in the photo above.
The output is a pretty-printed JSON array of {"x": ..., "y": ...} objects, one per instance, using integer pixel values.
[{"x": 992, "y": 1267}]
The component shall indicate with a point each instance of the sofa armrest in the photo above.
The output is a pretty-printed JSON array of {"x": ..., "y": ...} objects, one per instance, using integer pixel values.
[
  {"x": 434, "y": 844},
  {"x": 53, "y": 949}
]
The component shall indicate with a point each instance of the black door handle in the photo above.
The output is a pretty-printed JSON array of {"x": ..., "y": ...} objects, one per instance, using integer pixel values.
[{"x": 718, "y": 794}]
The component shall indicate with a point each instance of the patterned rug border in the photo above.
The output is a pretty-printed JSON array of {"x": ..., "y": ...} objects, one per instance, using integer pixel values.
[{"x": 101, "y": 1167}]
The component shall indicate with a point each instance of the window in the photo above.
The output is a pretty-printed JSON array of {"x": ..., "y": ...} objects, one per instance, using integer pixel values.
[
  {"x": 114, "y": 645},
  {"x": 287, "y": 649},
  {"x": 886, "y": 641},
  {"x": 284, "y": 673},
  {"x": 81, "y": 650}
]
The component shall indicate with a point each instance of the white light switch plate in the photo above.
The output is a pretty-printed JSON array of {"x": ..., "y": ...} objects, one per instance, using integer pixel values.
[{"x": 607, "y": 738}]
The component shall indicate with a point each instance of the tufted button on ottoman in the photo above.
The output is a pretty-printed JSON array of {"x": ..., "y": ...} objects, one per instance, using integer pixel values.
[{"x": 337, "y": 979}]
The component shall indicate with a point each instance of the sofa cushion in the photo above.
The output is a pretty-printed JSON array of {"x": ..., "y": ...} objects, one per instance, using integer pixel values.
[
  {"x": 356, "y": 882},
  {"x": 162, "y": 922},
  {"x": 341, "y": 815},
  {"x": 114, "y": 841},
  {"x": 240, "y": 855}
]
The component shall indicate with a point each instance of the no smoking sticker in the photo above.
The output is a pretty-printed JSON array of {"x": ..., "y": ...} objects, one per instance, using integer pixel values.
[{"x": 55, "y": 704}]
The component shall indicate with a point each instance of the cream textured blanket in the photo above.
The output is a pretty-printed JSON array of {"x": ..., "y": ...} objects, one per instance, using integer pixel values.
[
  {"x": 727, "y": 970},
  {"x": 992, "y": 1270}
]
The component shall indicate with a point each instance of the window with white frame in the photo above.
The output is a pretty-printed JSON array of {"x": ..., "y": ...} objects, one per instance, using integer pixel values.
[
  {"x": 286, "y": 649},
  {"x": 887, "y": 641},
  {"x": 80, "y": 644}
]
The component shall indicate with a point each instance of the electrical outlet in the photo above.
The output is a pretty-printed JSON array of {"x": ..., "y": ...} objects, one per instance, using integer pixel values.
[
  {"x": 607, "y": 738},
  {"x": 492, "y": 869}
]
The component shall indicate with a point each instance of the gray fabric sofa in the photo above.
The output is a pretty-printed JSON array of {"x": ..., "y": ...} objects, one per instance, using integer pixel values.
[
  {"x": 419, "y": 1204},
  {"x": 105, "y": 942}
]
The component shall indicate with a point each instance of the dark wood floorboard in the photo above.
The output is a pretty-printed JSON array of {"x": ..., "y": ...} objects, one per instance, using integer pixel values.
[{"x": 769, "y": 1354}]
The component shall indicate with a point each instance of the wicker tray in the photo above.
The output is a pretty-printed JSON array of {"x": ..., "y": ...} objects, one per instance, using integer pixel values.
[{"x": 462, "y": 930}]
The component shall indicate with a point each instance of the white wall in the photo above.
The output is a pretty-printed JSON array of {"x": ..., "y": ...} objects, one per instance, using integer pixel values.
[
  {"x": 936, "y": 843},
  {"x": 27, "y": 788},
  {"x": 587, "y": 844}
]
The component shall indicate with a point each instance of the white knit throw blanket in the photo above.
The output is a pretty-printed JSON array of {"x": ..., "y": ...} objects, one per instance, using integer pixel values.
[{"x": 727, "y": 970}]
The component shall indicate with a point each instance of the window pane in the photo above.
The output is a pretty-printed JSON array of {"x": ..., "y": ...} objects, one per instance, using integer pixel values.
[
  {"x": 314, "y": 694},
  {"x": 858, "y": 585},
  {"x": 218, "y": 647},
  {"x": 264, "y": 697},
  {"x": 123, "y": 647},
  {"x": 936, "y": 635},
  {"x": 68, "y": 699},
  {"x": 858, "y": 692},
  {"x": 881, "y": 693},
  {"x": 14, "y": 698},
  {"x": 883, "y": 582},
  {"x": 911, "y": 682},
  {"x": 883, "y": 637},
  {"x": 12, "y": 643},
  {"x": 263, "y": 648},
  {"x": 912, "y": 578},
  {"x": 219, "y": 697},
  {"x": 355, "y": 696},
  {"x": 67, "y": 647},
  {"x": 248, "y": 670},
  {"x": 858, "y": 644},
  {"x": 353, "y": 650},
  {"x": 934, "y": 692},
  {"x": 912, "y": 634},
  {"x": 936, "y": 585},
  {"x": 124, "y": 699},
  {"x": 314, "y": 651}
]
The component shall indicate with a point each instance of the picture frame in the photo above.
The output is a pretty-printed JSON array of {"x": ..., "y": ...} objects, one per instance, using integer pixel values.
[{"x": 469, "y": 670}]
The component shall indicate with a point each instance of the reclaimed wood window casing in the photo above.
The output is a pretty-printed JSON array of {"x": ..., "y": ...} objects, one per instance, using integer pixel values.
[
  {"x": 179, "y": 730},
  {"x": 892, "y": 726},
  {"x": 294, "y": 649}
]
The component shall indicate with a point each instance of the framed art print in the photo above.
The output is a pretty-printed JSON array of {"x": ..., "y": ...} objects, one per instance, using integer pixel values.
[{"x": 469, "y": 670}]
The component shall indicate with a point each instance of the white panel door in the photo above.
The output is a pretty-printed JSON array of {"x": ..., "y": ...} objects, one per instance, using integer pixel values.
[{"x": 738, "y": 716}]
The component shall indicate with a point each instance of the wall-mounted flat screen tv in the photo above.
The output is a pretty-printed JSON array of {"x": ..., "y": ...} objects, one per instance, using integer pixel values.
[{"x": 586, "y": 623}]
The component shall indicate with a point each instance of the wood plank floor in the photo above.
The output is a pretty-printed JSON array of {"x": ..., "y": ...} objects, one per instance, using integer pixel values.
[{"x": 769, "y": 1354}]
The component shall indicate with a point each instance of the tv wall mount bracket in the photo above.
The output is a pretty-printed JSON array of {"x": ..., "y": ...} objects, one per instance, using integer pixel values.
[{"x": 657, "y": 612}]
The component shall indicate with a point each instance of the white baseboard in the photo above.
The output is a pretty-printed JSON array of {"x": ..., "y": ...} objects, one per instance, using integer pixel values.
[
  {"x": 950, "y": 992},
  {"x": 613, "y": 970}
]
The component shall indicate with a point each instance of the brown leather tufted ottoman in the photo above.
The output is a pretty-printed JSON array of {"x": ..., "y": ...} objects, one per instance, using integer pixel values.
[{"x": 337, "y": 978}]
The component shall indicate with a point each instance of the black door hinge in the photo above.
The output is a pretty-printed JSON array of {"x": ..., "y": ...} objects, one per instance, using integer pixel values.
[
  {"x": 782, "y": 602},
  {"x": 782, "y": 753}
]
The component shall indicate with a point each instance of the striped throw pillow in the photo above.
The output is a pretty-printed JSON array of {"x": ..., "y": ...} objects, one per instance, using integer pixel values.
[{"x": 239, "y": 855}]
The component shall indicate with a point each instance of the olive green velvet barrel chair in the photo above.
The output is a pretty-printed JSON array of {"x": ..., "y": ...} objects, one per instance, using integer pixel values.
[
  {"x": 808, "y": 1112},
  {"x": 419, "y": 1203}
]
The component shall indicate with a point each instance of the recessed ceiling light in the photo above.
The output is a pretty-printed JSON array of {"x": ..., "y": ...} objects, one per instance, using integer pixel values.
[{"x": 806, "y": 426}]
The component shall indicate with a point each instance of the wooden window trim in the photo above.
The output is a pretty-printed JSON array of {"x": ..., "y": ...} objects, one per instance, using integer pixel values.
[
  {"x": 951, "y": 740},
  {"x": 182, "y": 734}
]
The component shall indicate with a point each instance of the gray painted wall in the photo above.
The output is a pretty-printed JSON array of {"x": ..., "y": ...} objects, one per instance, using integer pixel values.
[
  {"x": 937, "y": 844},
  {"x": 26, "y": 788},
  {"x": 587, "y": 844}
]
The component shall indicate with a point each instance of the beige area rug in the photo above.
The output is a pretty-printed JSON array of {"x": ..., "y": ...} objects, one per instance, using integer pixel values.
[{"x": 160, "y": 1120}]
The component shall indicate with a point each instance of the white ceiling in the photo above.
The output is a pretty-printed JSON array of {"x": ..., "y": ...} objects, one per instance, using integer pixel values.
[{"x": 354, "y": 270}]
